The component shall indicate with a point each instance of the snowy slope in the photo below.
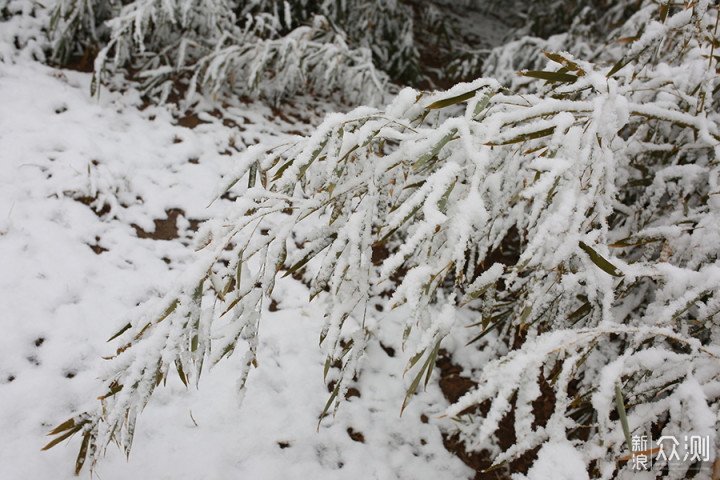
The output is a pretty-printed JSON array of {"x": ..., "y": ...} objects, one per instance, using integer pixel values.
[{"x": 80, "y": 179}]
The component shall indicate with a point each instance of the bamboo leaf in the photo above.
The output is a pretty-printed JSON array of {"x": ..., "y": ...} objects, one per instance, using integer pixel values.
[
  {"x": 61, "y": 438},
  {"x": 413, "y": 386},
  {"x": 525, "y": 314},
  {"x": 616, "y": 68},
  {"x": 600, "y": 261},
  {"x": 483, "y": 103},
  {"x": 557, "y": 58},
  {"x": 169, "y": 310},
  {"x": 580, "y": 312},
  {"x": 334, "y": 395},
  {"x": 181, "y": 372},
  {"x": 82, "y": 454},
  {"x": 499, "y": 320},
  {"x": 620, "y": 405},
  {"x": 282, "y": 169},
  {"x": 418, "y": 378},
  {"x": 443, "y": 200},
  {"x": 435, "y": 150},
  {"x": 552, "y": 77},
  {"x": 433, "y": 357},
  {"x": 317, "y": 249},
  {"x": 115, "y": 387},
  {"x": 634, "y": 242},
  {"x": 408, "y": 217},
  {"x": 664, "y": 9},
  {"x": 446, "y": 102},
  {"x": 66, "y": 425},
  {"x": 524, "y": 137},
  {"x": 328, "y": 363},
  {"x": 120, "y": 332},
  {"x": 314, "y": 156},
  {"x": 475, "y": 294},
  {"x": 252, "y": 175}
]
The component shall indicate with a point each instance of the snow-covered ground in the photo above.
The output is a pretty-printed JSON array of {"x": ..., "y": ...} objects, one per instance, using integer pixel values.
[{"x": 80, "y": 179}]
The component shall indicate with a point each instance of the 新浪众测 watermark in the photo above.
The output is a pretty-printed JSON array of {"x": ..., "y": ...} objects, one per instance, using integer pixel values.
[{"x": 670, "y": 450}]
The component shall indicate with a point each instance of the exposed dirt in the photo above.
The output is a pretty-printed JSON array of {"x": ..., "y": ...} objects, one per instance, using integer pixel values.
[
  {"x": 166, "y": 229},
  {"x": 191, "y": 120},
  {"x": 454, "y": 386},
  {"x": 86, "y": 200},
  {"x": 356, "y": 436}
]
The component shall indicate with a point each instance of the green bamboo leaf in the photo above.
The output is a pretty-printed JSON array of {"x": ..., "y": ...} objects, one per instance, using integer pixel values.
[
  {"x": 446, "y": 102},
  {"x": 443, "y": 200},
  {"x": 435, "y": 150},
  {"x": 169, "y": 310},
  {"x": 634, "y": 242},
  {"x": 620, "y": 64},
  {"x": 408, "y": 217},
  {"x": 552, "y": 77},
  {"x": 252, "y": 175},
  {"x": 499, "y": 320},
  {"x": 334, "y": 395},
  {"x": 433, "y": 357},
  {"x": 580, "y": 312},
  {"x": 483, "y": 103},
  {"x": 524, "y": 137},
  {"x": 181, "y": 372},
  {"x": 600, "y": 261},
  {"x": 557, "y": 58},
  {"x": 620, "y": 405},
  {"x": 314, "y": 156},
  {"x": 470, "y": 296},
  {"x": 414, "y": 360},
  {"x": 328, "y": 363},
  {"x": 412, "y": 185},
  {"x": 413, "y": 386},
  {"x": 319, "y": 248},
  {"x": 418, "y": 378},
  {"x": 282, "y": 169},
  {"x": 691, "y": 303},
  {"x": 120, "y": 332},
  {"x": 525, "y": 314}
]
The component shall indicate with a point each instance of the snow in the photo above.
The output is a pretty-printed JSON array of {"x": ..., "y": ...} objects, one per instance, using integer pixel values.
[
  {"x": 62, "y": 301},
  {"x": 556, "y": 461},
  {"x": 100, "y": 198}
]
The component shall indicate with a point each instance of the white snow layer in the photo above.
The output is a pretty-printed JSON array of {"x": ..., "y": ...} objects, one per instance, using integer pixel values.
[{"x": 556, "y": 461}]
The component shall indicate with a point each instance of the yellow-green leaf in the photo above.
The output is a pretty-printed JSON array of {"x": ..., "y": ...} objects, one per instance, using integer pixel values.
[
  {"x": 600, "y": 261},
  {"x": 551, "y": 76},
  {"x": 526, "y": 136},
  {"x": 61, "y": 438},
  {"x": 620, "y": 405},
  {"x": 446, "y": 102}
]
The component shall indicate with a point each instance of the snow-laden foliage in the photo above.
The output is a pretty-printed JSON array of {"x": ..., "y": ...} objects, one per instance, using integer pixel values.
[
  {"x": 21, "y": 35},
  {"x": 261, "y": 49},
  {"x": 578, "y": 221},
  {"x": 585, "y": 28}
]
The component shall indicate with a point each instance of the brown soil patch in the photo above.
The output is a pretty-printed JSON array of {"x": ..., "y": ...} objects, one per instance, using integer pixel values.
[
  {"x": 454, "y": 386},
  {"x": 86, "y": 200},
  {"x": 356, "y": 436},
  {"x": 191, "y": 120},
  {"x": 166, "y": 229}
]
